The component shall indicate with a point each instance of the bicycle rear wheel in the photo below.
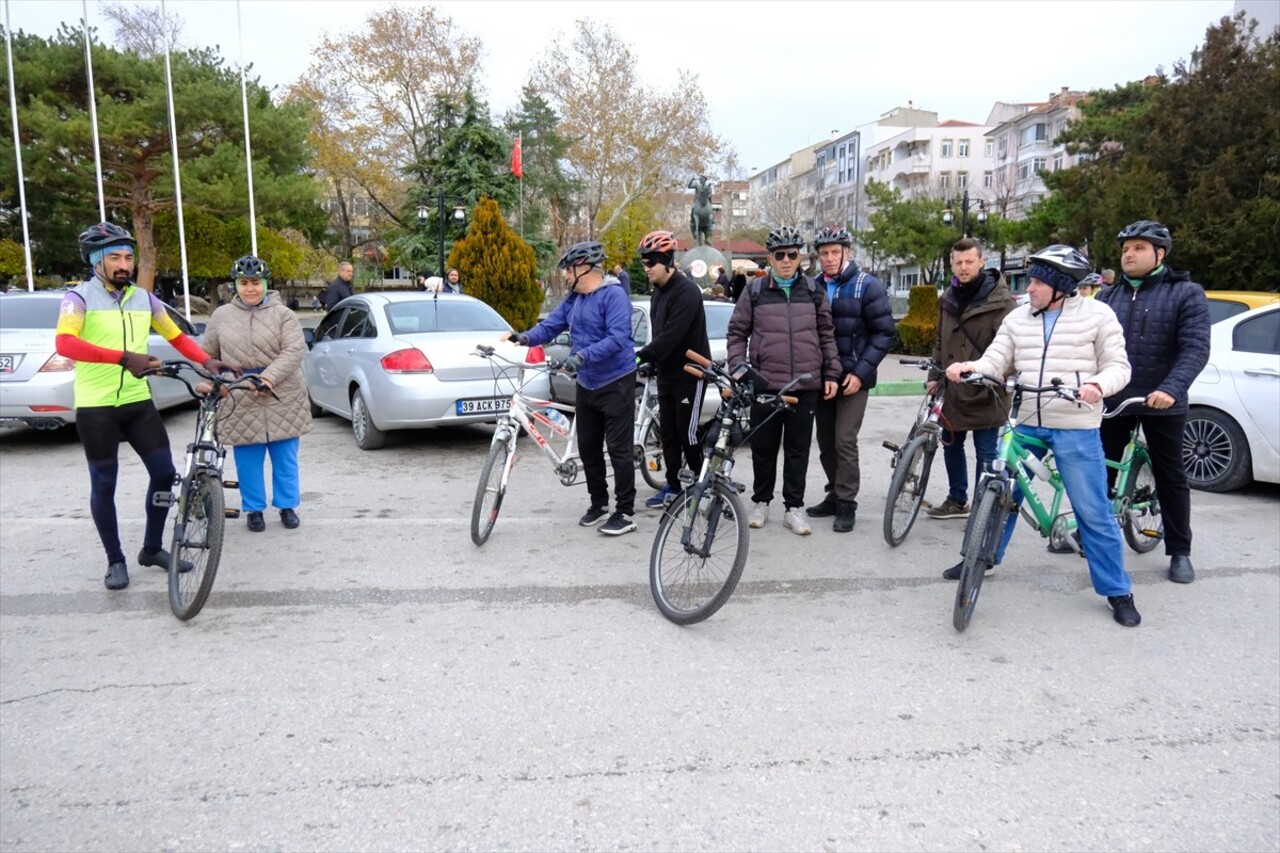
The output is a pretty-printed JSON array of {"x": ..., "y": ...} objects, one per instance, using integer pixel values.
[
  {"x": 687, "y": 586},
  {"x": 490, "y": 492},
  {"x": 1143, "y": 526},
  {"x": 197, "y": 539},
  {"x": 649, "y": 457},
  {"x": 906, "y": 489},
  {"x": 981, "y": 538}
]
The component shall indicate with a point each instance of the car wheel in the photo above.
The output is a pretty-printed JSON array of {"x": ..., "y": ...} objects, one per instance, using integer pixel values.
[
  {"x": 1215, "y": 453},
  {"x": 368, "y": 436}
]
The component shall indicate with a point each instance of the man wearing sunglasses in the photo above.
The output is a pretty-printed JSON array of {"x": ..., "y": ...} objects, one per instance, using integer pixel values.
[
  {"x": 864, "y": 331},
  {"x": 782, "y": 327}
]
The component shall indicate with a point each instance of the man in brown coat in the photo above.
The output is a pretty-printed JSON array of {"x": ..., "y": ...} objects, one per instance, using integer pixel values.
[
  {"x": 969, "y": 313},
  {"x": 782, "y": 326}
]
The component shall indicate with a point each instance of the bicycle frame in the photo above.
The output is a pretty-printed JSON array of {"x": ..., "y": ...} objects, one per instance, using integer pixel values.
[{"x": 928, "y": 416}]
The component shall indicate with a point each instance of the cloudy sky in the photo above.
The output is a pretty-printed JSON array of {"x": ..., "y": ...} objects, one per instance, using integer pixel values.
[{"x": 777, "y": 75}]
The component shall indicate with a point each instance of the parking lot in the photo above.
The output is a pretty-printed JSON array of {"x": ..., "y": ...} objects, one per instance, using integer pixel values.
[{"x": 375, "y": 681}]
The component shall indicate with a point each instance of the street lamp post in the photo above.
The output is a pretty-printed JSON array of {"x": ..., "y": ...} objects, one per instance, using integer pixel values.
[
  {"x": 459, "y": 214},
  {"x": 948, "y": 217},
  {"x": 874, "y": 244},
  {"x": 422, "y": 222}
]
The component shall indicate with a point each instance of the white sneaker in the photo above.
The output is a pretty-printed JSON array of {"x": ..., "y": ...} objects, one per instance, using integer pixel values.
[
  {"x": 759, "y": 515},
  {"x": 794, "y": 518}
]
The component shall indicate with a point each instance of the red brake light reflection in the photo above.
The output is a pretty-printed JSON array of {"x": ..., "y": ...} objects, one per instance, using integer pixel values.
[
  {"x": 535, "y": 355},
  {"x": 409, "y": 360}
]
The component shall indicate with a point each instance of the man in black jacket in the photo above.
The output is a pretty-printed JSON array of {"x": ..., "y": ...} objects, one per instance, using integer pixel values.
[
  {"x": 864, "y": 330},
  {"x": 678, "y": 324},
  {"x": 1165, "y": 318},
  {"x": 340, "y": 288}
]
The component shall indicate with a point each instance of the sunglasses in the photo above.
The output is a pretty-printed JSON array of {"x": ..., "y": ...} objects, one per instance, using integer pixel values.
[
  {"x": 790, "y": 256},
  {"x": 648, "y": 263}
]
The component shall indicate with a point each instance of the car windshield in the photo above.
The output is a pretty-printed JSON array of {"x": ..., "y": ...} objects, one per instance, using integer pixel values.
[
  {"x": 718, "y": 321},
  {"x": 1223, "y": 309},
  {"x": 445, "y": 315},
  {"x": 20, "y": 313}
]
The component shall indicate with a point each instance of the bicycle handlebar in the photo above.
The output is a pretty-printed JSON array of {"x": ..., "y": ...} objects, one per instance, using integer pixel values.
[
  {"x": 173, "y": 370},
  {"x": 485, "y": 351},
  {"x": 1111, "y": 413}
]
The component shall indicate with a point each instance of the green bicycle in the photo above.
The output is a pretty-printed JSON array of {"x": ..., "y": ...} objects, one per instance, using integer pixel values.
[{"x": 1133, "y": 497}]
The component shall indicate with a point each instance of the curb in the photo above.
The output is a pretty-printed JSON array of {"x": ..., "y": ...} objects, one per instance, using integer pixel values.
[{"x": 898, "y": 388}]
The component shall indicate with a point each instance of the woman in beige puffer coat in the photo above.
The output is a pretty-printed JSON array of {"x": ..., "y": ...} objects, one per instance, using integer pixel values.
[{"x": 257, "y": 332}]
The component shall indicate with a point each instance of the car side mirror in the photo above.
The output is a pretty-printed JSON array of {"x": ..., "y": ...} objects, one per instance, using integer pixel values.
[{"x": 309, "y": 336}]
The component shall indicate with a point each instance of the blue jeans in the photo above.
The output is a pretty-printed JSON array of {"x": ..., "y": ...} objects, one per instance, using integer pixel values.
[
  {"x": 285, "y": 491},
  {"x": 1083, "y": 468},
  {"x": 984, "y": 446}
]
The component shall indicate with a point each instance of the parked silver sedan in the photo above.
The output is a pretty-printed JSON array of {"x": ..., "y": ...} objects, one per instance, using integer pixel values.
[
  {"x": 390, "y": 361},
  {"x": 36, "y": 384}
]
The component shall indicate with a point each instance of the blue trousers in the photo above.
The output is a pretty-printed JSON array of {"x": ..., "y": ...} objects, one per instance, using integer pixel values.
[
  {"x": 1082, "y": 466},
  {"x": 984, "y": 447},
  {"x": 285, "y": 491}
]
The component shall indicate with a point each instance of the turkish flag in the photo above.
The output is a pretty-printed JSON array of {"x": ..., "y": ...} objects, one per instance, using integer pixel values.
[{"x": 517, "y": 164}]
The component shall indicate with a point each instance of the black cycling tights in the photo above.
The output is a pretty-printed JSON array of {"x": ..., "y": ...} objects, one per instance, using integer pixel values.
[{"x": 101, "y": 429}]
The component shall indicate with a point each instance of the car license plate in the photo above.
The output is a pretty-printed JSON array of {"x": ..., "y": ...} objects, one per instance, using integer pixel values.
[
  {"x": 477, "y": 407},
  {"x": 6, "y": 364}
]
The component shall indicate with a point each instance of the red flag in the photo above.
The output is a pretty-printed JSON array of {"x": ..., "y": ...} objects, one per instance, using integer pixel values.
[{"x": 517, "y": 164}]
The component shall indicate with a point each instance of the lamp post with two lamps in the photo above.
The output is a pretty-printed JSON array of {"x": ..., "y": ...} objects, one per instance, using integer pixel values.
[
  {"x": 948, "y": 217},
  {"x": 459, "y": 215}
]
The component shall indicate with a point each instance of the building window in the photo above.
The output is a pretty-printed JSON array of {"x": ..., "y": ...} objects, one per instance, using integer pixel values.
[
  {"x": 944, "y": 180},
  {"x": 988, "y": 147},
  {"x": 1038, "y": 164},
  {"x": 962, "y": 180},
  {"x": 986, "y": 180},
  {"x": 1004, "y": 147},
  {"x": 1024, "y": 170},
  {"x": 946, "y": 147},
  {"x": 1031, "y": 134},
  {"x": 1057, "y": 162},
  {"x": 962, "y": 150}
]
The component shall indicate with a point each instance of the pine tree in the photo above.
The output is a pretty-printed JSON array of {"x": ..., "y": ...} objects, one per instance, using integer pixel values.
[{"x": 499, "y": 268}]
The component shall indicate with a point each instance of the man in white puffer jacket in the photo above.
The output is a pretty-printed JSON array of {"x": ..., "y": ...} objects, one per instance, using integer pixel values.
[{"x": 1061, "y": 335}]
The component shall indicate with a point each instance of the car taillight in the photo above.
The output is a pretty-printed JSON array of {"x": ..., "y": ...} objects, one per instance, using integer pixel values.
[
  {"x": 57, "y": 363},
  {"x": 406, "y": 361},
  {"x": 535, "y": 355}
]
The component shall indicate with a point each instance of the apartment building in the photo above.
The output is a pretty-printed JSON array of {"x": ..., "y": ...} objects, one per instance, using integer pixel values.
[{"x": 1025, "y": 146}]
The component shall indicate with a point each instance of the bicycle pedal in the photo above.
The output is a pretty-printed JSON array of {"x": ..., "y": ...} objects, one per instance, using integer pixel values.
[
  {"x": 889, "y": 445},
  {"x": 230, "y": 484},
  {"x": 1153, "y": 534},
  {"x": 230, "y": 512},
  {"x": 165, "y": 499}
]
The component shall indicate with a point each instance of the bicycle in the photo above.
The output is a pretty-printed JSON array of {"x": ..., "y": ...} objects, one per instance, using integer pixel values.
[
  {"x": 1016, "y": 464},
  {"x": 648, "y": 437},
  {"x": 524, "y": 413},
  {"x": 200, "y": 520},
  {"x": 913, "y": 460},
  {"x": 695, "y": 565}
]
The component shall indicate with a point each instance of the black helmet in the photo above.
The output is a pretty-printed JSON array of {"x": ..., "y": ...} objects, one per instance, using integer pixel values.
[
  {"x": 1145, "y": 229},
  {"x": 590, "y": 253},
  {"x": 784, "y": 237},
  {"x": 101, "y": 236},
  {"x": 830, "y": 234},
  {"x": 1061, "y": 267},
  {"x": 250, "y": 267}
]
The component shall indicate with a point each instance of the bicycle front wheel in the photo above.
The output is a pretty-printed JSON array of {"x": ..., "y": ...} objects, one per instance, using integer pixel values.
[
  {"x": 649, "y": 457},
  {"x": 1143, "y": 526},
  {"x": 489, "y": 493},
  {"x": 906, "y": 489},
  {"x": 981, "y": 538},
  {"x": 197, "y": 542},
  {"x": 690, "y": 583}
]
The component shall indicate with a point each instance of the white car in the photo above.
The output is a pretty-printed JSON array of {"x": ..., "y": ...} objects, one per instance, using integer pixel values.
[
  {"x": 1233, "y": 427},
  {"x": 389, "y": 361},
  {"x": 36, "y": 384}
]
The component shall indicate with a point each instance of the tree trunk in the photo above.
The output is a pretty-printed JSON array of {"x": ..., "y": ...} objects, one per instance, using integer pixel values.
[{"x": 144, "y": 233}]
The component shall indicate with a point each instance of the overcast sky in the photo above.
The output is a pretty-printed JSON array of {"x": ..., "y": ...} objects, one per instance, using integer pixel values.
[{"x": 777, "y": 75}]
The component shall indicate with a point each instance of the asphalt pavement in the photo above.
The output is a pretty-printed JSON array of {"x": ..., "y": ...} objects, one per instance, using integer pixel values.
[{"x": 375, "y": 681}]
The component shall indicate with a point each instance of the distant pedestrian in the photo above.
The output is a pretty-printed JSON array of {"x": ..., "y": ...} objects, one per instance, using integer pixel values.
[
  {"x": 315, "y": 302},
  {"x": 340, "y": 288},
  {"x": 623, "y": 276},
  {"x": 1108, "y": 277},
  {"x": 736, "y": 285},
  {"x": 452, "y": 282}
]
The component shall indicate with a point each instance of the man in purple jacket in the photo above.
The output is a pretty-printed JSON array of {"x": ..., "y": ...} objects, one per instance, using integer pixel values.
[{"x": 597, "y": 313}]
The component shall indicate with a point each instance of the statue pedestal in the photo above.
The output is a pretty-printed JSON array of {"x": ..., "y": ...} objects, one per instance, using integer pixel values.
[{"x": 698, "y": 262}]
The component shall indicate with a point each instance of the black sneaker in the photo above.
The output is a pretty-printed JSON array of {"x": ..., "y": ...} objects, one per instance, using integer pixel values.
[
  {"x": 953, "y": 573},
  {"x": 255, "y": 522},
  {"x": 117, "y": 576},
  {"x": 825, "y": 509},
  {"x": 846, "y": 514},
  {"x": 161, "y": 559},
  {"x": 1180, "y": 569},
  {"x": 1124, "y": 611},
  {"x": 289, "y": 519},
  {"x": 618, "y": 524},
  {"x": 594, "y": 516}
]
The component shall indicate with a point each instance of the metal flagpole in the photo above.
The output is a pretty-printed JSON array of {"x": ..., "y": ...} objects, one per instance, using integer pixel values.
[
  {"x": 177, "y": 179},
  {"x": 93, "y": 113},
  {"x": 17, "y": 150},
  {"x": 248, "y": 151}
]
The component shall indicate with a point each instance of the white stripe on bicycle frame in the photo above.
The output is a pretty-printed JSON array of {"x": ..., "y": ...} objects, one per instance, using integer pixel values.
[{"x": 696, "y": 402}]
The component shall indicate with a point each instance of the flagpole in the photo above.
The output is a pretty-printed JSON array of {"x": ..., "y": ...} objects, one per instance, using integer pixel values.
[{"x": 520, "y": 145}]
